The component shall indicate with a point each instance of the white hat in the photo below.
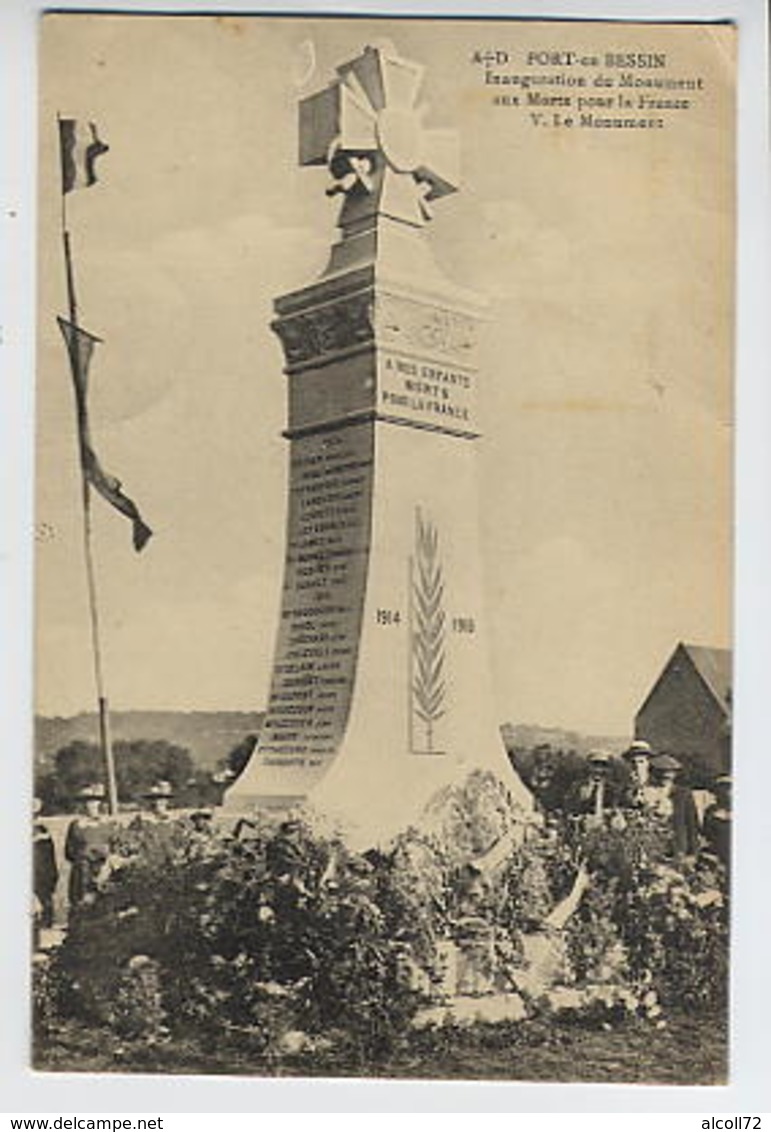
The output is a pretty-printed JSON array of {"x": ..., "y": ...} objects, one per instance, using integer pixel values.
[
  {"x": 162, "y": 789},
  {"x": 91, "y": 790},
  {"x": 598, "y": 757},
  {"x": 638, "y": 748}
]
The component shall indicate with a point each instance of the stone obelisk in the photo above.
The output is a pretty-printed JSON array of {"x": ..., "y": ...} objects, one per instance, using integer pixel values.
[{"x": 380, "y": 693}]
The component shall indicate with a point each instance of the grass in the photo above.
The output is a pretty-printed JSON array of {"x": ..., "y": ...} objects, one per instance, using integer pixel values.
[{"x": 690, "y": 1051}]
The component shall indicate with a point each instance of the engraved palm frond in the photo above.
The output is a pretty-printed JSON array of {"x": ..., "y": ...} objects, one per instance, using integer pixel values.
[{"x": 428, "y": 687}]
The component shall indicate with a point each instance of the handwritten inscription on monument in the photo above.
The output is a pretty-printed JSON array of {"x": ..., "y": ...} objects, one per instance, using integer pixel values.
[{"x": 327, "y": 547}]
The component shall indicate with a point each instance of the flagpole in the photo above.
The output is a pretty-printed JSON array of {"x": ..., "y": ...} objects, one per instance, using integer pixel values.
[{"x": 105, "y": 737}]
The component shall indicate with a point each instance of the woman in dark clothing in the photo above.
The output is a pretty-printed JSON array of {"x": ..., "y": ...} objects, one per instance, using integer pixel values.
[
  {"x": 45, "y": 869},
  {"x": 87, "y": 844},
  {"x": 717, "y": 821}
]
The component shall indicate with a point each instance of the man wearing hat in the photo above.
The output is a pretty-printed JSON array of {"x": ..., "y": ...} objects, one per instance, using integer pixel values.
[
  {"x": 637, "y": 757},
  {"x": 197, "y": 825},
  {"x": 87, "y": 844},
  {"x": 592, "y": 795},
  {"x": 158, "y": 798},
  {"x": 154, "y": 824},
  {"x": 201, "y": 820},
  {"x": 155, "y": 814},
  {"x": 717, "y": 820},
  {"x": 675, "y": 803}
]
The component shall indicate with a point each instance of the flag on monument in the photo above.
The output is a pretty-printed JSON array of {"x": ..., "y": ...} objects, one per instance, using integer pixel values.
[
  {"x": 80, "y": 147},
  {"x": 80, "y": 347}
]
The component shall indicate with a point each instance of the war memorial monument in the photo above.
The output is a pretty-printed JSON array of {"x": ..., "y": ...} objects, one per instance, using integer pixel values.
[
  {"x": 379, "y": 894},
  {"x": 380, "y": 693}
]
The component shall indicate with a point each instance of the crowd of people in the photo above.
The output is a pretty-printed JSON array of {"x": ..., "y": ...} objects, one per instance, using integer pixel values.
[
  {"x": 88, "y": 843},
  {"x": 652, "y": 785}
]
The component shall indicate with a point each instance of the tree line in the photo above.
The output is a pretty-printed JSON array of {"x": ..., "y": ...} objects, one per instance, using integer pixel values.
[{"x": 139, "y": 764}]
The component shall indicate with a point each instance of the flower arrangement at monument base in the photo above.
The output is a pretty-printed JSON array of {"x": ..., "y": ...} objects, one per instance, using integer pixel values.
[{"x": 275, "y": 940}]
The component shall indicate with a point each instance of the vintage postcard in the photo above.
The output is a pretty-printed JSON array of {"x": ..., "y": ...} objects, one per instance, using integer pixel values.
[{"x": 383, "y": 524}]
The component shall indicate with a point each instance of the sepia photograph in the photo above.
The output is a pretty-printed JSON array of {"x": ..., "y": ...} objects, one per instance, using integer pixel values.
[{"x": 383, "y": 548}]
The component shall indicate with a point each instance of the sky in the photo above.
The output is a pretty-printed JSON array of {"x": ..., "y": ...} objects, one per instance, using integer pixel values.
[{"x": 606, "y": 391}]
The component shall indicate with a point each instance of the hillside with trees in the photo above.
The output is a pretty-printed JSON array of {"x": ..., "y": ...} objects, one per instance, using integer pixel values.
[{"x": 208, "y": 736}]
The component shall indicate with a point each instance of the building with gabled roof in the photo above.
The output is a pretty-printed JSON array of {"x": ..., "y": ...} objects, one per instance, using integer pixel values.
[{"x": 687, "y": 712}]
